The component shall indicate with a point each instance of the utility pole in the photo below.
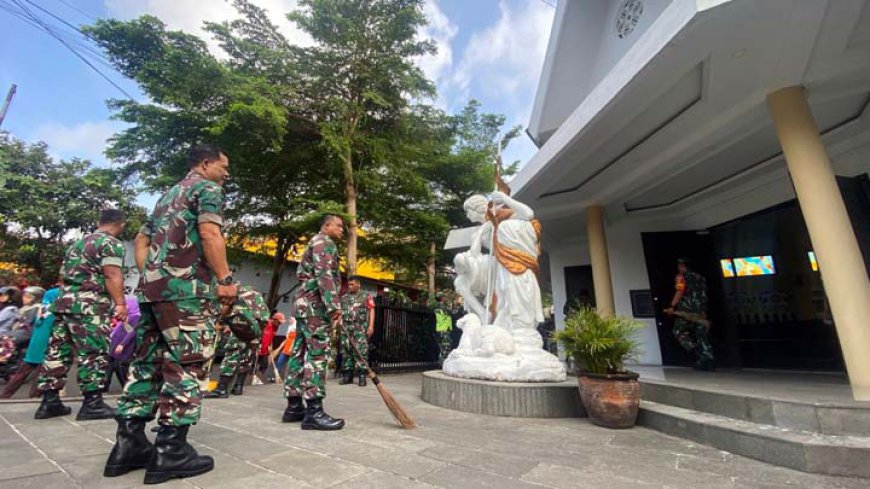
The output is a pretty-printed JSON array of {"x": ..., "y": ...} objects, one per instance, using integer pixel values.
[{"x": 7, "y": 102}]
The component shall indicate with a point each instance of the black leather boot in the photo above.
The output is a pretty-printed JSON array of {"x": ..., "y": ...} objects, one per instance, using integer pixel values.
[
  {"x": 220, "y": 391},
  {"x": 132, "y": 449},
  {"x": 362, "y": 378},
  {"x": 51, "y": 406},
  {"x": 239, "y": 386},
  {"x": 295, "y": 410},
  {"x": 346, "y": 377},
  {"x": 174, "y": 458},
  {"x": 93, "y": 407},
  {"x": 317, "y": 419}
]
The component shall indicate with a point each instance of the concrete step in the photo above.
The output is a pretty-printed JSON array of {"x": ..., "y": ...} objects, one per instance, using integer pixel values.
[
  {"x": 847, "y": 418},
  {"x": 800, "y": 450}
]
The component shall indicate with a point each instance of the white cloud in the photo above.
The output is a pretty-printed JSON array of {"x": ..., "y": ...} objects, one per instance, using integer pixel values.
[
  {"x": 83, "y": 140},
  {"x": 441, "y": 31},
  {"x": 189, "y": 15},
  {"x": 509, "y": 55}
]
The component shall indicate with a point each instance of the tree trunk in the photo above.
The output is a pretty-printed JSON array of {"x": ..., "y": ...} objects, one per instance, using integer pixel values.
[
  {"x": 279, "y": 262},
  {"x": 350, "y": 204},
  {"x": 430, "y": 268}
]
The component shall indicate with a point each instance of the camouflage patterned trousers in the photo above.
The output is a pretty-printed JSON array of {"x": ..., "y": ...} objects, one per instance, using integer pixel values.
[
  {"x": 88, "y": 336},
  {"x": 306, "y": 371},
  {"x": 173, "y": 342},
  {"x": 694, "y": 338},
  {"x": 238, "y": 357},
  {"x": 357, "y": 334}
]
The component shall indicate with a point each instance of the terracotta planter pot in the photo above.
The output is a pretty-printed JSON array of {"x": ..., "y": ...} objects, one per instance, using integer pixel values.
[{"x": 611, "y": 400}]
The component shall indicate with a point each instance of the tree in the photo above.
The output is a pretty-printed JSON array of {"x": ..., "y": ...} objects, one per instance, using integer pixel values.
[
  {"x": 247, "y": 103},
  {"x": 44, "y": 202},
  {"x": 361, "y": 76}
]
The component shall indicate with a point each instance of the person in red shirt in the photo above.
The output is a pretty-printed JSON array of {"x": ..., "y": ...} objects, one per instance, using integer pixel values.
[{"x": 265, "y": 353}]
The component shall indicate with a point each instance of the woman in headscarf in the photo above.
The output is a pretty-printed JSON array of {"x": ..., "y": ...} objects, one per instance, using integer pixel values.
[
  {"x": 10, "y": 301},
  {"x": 43, "y": 321}
]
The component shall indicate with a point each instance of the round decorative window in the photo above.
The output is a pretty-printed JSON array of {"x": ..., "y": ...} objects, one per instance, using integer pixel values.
[{"x": 627, "y": 17}]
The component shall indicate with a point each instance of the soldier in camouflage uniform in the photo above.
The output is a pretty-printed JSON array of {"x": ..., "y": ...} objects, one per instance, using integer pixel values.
[
  {"x": 358, "y": 324},
  {"x": 246, "y": 317},
  {"x": 92, "y": 286},
  {"x": 689, "y": 306},
  {"x": 316, "y": 307},
  {"x": 181, "y": 253}
]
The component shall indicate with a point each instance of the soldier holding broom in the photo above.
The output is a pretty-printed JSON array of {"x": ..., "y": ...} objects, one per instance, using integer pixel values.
[{"x": 317, "y": 307}]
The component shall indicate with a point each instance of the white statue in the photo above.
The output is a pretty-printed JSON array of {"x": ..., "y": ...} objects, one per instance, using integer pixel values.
[{"x": 501, "y": 293}]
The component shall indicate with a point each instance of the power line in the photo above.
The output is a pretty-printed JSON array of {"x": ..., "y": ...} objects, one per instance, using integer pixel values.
[
  {"x": 89, "y": 16},
  {"x": 551, "y": 3},
  {"x": 25, "y": 13}
]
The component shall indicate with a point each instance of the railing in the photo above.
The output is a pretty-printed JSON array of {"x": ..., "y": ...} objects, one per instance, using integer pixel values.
[{"x": 404, "y": 339}]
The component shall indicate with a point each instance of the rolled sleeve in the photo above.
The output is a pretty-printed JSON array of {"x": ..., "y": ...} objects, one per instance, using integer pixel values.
[
  {"x": 210, "y": 204},
  {"x": 210, "y": 217},
  {"x": 112, "y": 253},
  {"x": 112, "y": 261}
]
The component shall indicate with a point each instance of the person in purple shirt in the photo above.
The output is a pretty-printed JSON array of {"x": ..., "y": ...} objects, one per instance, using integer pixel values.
[{"x": 122, "y": 343}]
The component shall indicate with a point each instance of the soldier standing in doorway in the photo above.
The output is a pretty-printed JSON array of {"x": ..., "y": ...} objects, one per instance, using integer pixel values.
[
  {"x": 358, "y": 324},
  {"x": 689, "y": 308},
  {"x": 181, "y": 254},
  {"x": 317, "y": 307},
  {"x": 92, "y": 286}
]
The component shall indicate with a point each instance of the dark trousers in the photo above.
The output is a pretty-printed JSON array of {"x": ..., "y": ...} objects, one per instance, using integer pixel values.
[{"x": 119, "y": 370}]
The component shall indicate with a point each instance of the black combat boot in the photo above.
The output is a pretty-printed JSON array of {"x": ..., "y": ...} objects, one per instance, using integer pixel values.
[
  {"x": 51, "y": 406},
  {"x": 220, "y": 392},
  {"x": 93, "y": 407},
  {"x": 317, "y": 419},
  {"x": 239, "y": 386},
  {"x": 132, "y": 449},
  {"x": 295, "y": 411},
  {"x": 174, "y": 458},
  {"x": 346, "y": 377},
  {"x": 362, "y": 378}
]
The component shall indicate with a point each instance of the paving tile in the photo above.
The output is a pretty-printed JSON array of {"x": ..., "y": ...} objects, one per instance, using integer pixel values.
[
  {"x": 317, "y": 470},
  {"x": 47, "y": 481},
  {"x": 455, "y": 476},
  {"x": 562, "y": 477},
  {"x": 382, "y": 480}
]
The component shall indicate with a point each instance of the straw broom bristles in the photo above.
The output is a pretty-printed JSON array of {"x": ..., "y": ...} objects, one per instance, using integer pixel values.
[{"x": 392, "y": 404}]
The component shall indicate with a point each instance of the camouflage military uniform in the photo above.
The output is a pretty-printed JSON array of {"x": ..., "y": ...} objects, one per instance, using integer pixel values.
[
  {"x": 693, "y": 336},
  {"x": 83, "y": 314},
  {"x": 245, "y": 318},
  {"x": 179, "y": 306},
  {"x": 355, "y": 321},
  {"x": 316, "y": 298}
]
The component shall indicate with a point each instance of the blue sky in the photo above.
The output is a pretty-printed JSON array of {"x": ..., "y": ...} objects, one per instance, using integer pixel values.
[{"x": 491, "y": 50}]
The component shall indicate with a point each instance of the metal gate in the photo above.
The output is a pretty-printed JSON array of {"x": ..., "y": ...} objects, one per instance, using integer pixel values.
[{"x": 404, "y": 339}]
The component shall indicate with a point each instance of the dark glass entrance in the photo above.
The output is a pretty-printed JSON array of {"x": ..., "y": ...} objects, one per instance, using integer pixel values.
[{"x": 766, "y": 297}]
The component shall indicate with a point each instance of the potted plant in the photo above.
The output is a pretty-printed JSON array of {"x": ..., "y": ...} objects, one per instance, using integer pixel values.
[{"x": 601, "y": 346}]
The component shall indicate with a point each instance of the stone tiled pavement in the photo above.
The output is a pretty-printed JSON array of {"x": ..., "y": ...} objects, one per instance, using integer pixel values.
[{"x": 450, "y": 449}]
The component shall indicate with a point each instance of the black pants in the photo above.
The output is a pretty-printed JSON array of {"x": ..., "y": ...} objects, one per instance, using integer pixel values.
[{"x": 119, "y": 369}]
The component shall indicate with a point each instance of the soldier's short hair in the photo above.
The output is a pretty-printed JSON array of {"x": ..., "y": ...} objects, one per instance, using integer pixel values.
[
  {"x": 204, "y": 151},
  {"x": 112, "y": 216},
  {"x": 324, "y": 219},
  {"x": 354, "y": 278}
]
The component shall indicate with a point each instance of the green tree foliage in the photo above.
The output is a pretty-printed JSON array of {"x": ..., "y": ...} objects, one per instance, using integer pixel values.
[
  {"x": 306, "y": 128},
  {"x": 43, "y": 202}
]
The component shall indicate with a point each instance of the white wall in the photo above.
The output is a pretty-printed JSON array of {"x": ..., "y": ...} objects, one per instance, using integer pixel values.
[{"x": 628, "y": 272}]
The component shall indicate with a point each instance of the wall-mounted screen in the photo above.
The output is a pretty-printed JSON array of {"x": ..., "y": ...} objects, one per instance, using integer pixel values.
[
  {"x": 749, "y": 266},
  {"x": 727, "y": 267}
]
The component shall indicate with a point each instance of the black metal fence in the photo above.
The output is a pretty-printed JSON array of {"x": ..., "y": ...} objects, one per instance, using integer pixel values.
[{"x": 404, "y": 339}]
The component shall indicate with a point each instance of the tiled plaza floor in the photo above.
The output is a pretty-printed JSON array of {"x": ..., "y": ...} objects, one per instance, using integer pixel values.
[{"x": 253, "y": 449}]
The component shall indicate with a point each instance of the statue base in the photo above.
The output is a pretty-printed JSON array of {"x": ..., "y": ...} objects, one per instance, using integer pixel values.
[
  {"x": 522, "y": 366},
  {"x": 514, "y": 399}
]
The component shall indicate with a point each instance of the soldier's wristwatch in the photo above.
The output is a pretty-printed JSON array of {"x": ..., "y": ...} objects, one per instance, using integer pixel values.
[{"x": 228, "y": 280}]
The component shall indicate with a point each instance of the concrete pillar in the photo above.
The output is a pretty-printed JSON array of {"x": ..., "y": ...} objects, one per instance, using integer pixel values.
[
  {"x": 600, "y": 261},
  {"x": 831, "y": 232}
]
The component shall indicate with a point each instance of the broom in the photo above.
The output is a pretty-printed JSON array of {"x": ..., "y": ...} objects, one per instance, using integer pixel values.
[{"x": 392, "y": 404}]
